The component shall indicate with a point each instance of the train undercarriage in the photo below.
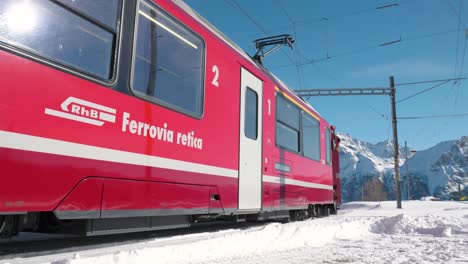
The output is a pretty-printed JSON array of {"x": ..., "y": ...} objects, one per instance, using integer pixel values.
[{"x": 47, "y": 222}]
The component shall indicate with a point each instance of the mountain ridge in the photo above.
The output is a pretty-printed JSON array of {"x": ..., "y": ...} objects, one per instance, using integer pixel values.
[{"x": 367, "y": 170}]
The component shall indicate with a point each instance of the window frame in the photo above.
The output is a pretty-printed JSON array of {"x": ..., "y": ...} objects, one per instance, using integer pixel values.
[
  {"x": 247, "y": 90},
  {"x": 152, "y": 99},
  {"x": 49, "y": 61},
  {"x": 287, "y": 125},
  {"x": 301, "y": 113},
  {"x": 319, "y": 142}
]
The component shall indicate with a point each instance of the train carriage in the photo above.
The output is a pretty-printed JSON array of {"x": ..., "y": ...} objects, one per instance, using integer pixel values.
[{"x": 120, "y": 116}]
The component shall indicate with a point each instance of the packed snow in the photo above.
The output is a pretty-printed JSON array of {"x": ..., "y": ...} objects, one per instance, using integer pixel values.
[{"x": 362, "y": 232}]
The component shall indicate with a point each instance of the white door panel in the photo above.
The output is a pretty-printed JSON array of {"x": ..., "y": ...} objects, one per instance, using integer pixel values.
[{"x": 250, "y": 157}]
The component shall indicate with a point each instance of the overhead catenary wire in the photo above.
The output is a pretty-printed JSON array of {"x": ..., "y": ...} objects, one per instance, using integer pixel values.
[
  {"x": 430, "y": 81},
  {"x": 455, "y": 12},
  {"x": 421, "y": 92},
  {"x": 297, "y": 52},
  {"x": 341, "y": 16},
  {"x": 458, "y": 14},
  {"x": 368, "y": 48},
  {"x": 435, "y": 116},
  {"x": 458, "y": 40},
  {"x": 463, "y": 54},
  {"x": 236, "y": 5}
]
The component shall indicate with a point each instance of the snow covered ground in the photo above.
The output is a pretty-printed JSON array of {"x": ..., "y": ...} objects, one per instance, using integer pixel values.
[{"x": 363, "y": 232}]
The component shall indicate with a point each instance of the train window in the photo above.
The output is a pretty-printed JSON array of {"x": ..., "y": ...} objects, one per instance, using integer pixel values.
[
  {"x": 168, "y": 62},
  {"x": 251, "y": 114},
  {"x": 58, "y": 34},
  {"x": 287, "y": 113},
  {"x": 286, "y": 137},
  {"x": 311, "y": 137},
  {"x": 103, "y": 11},
  {"x": 287, "y": 125},
  {"x": 328, "y": 142}
]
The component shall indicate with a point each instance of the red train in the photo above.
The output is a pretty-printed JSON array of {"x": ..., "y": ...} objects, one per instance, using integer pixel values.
[{"x": 119, "y": 116}]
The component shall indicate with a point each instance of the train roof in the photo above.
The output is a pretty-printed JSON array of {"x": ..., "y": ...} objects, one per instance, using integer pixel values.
[{"x": 233, "y": 45}]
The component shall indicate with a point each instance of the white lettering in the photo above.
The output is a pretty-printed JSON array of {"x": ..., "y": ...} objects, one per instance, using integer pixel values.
[
  {"x": 133, "y": 127},
  {"x": 147, "y": 126},
  {"x": 84, "y": 112},
  {"x": 75, "y": 109},
  {"x": 152, "y": 131},
  {"x": 189, "y": 140},
  {"x": 94, "y": 113},
  {"x": 161, "y": 133},
  {"x": 125, "y": 121}
]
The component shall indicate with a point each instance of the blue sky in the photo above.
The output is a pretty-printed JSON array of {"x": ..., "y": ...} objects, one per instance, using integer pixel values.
[{"x": 350, "y": 32}]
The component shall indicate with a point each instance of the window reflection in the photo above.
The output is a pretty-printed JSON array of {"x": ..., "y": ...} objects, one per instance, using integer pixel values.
[
  {"x": 48, "y": 30},
  {"x": 168, "y": 62}
]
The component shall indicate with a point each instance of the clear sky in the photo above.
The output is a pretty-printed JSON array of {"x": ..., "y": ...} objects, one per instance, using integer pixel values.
[{"x": 350, "y": 32}]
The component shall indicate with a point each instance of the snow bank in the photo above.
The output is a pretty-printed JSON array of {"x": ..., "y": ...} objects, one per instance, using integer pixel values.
[
  {"x": 427, "y": 232},
  {"x": 428, "y": 225}
]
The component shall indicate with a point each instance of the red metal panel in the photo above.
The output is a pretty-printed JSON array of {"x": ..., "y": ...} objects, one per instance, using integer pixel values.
[
  {"x": 130, "y": 195},
  {"x": 39, "y": 182},
  {"x": 216, "y": 204},
  {"x": 85, "y": 196}
]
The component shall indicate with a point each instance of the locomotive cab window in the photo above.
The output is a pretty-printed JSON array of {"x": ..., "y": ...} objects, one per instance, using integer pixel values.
[
  {"x": 168, "y": 66},
  {"x": 251, "y": 114},
  {"x": 76, "y": 34}
]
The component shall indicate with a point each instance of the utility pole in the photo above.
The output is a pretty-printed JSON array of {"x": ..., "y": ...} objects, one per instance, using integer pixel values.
[
  {"x": 395, "y": 143},
  {"x": 374, "y": 91},
  {"x": 407, "y": 172},
  {"x": 368, "y": 91}
]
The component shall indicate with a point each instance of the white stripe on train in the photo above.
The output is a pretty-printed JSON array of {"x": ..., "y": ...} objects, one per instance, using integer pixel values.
[{"x": 52, "y": 146}]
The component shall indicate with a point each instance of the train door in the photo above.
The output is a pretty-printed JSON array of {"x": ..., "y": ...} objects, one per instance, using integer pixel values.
[{"x": 250, "y": 154}]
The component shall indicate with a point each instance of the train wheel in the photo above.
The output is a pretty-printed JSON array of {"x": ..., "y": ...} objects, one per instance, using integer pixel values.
[
  {"x": 334, "y": 209},
  {"x": 324, "y": 210},
  {"x": 2, "y": 224},
  {"x": 8, "y": 226}
]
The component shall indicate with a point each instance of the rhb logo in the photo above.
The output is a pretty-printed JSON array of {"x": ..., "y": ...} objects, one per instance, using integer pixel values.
[{"x": 83, "y": 111}]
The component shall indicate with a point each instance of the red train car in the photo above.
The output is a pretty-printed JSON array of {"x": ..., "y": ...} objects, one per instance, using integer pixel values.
[{"x": 120, "y": 116}]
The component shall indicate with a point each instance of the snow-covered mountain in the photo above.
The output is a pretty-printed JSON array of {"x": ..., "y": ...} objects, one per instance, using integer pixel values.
[{"x": 367, "y": 170}]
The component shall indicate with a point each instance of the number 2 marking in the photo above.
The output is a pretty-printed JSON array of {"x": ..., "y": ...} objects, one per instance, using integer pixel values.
[{"x": 215, "y": 70}]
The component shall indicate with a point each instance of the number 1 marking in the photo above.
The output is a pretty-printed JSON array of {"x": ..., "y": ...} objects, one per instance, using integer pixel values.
[{"x": 269, "y": 107}]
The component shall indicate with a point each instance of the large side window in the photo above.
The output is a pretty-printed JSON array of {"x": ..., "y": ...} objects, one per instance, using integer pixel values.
[
  {"x": 168, "y": 63},
  {"x": 311, "y": 137},
  {"x": 287, "y": 125},
  {"x": 103, "y": 11},
  {"x": 78, "y": 34}
]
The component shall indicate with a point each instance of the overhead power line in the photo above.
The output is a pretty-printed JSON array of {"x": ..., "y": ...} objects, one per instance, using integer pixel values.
[
  {"x": 455, "y": 12},
  {"x": 235, "y": 4},
  {"x": 458, "y": 41},
  {"x": 297, "y": 52},
  {"x": 434, "y": 116},
  {"x": 341, "y": 16},
  {"x": 430, "y": 81},
  {"x": 423, "y": 91},
  {"x": 368, "y": 48}
]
